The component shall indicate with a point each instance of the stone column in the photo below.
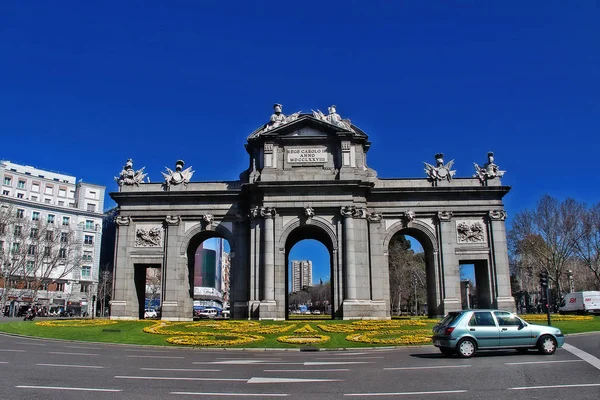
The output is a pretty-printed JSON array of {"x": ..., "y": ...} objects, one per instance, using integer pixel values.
[
  {"x": 177, "y": 304},
  {"x": 450, "y": 268},
  {"x": 124, "y": 302},
  {"x": 269, "y": 254},
  {"x": 349, "y": 259},
  {"x": 499, "y": 258}
]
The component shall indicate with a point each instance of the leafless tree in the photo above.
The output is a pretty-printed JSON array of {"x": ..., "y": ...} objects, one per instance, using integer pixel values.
[
  {"x": 407, "y": 274},
  {"x": 587, "y": 248},
  {"x": 544, "y": 239},
  {"x": 35, "y": 253},
  {"x": 104, "y": 290}
]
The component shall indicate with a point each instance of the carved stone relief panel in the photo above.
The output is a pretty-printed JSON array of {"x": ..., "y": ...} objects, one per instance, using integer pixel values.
[
  {"x": 472, "y": 231},
  {"x": 148, "y": 236}
]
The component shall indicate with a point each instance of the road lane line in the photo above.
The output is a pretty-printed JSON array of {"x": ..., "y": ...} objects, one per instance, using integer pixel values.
[
  {"x": 68, "y": 388},
  {"x": 436, "y": 367},
  {"x": 130, "y": 356},
  {"x": 587, "y": 357},
  {"x": 72, "y": 354},
  {"x": 31, "y": 344},
  {"x": 542, "y": 362},
  {"x": 335, "y": 357},
  {"x": 83, "y": 347},
  {"x": 555, "y": 386},
  {"x": 146, "y": 351},
  {"x": 405, "y": 393},
  {"x": 3, "y": 362},
  {"x": 181, "y": 369},
  {"x": 312, "y": 363},
  {"x": 13, "y": 350},
  {"x": 232, "y": 394},
  {"x": 290, "y": 380},
  {"x": 69, "y": 365},
  {"x": 306, "y": 370},
  {"x": 177, "y": 378},
  {"x": 248, "y": 362}
]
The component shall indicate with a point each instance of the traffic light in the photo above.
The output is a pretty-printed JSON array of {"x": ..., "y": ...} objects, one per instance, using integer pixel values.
[{"x": 543, "y": 280}]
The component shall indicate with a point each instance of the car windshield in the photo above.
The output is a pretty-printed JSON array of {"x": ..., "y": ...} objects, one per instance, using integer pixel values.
[{"x": 450, "y": 318}]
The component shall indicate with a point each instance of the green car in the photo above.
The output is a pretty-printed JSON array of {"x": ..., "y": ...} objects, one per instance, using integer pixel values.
[{"x": 465, "y": 332}]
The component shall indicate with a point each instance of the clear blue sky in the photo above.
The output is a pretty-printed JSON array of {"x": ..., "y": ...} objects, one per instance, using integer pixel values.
[{"x": 86, "y": 85}]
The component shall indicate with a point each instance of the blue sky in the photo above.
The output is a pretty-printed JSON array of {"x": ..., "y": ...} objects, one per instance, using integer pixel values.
[{"x": 86, "y": 85}]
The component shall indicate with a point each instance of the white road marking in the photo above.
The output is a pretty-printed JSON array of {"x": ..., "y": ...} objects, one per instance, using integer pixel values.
[
  {"x": 233, "y": 394},
  {"x": 68, "y": 388},
  {"x": 306, "y": 370},
  {"x": 334, "y": 357},
  {"x": 555, "y": 386},
  {"x": 176, "y": 378},
  {"x": 181, "y": 369},
  {"x": 290, "y": 380},
  {"x": 542, "y": 362},
  {"x": 69, "y": 365},
  {"x": 83, "y": 347},
  {"x": 155, "y": 357},
  {"x": 405, "y": 393},
  {"x": 336, "y": 362},
  {"x": 72, "y": 354},
  {"x": 247, "y": 362},
  {"x": 243, "y": 359},
  {"x": 347, "y": 354},
  {"x": 587, "y": 357},
  {"x": 13, "y": 350},
  {"x": 146, "y": 351},
  {"x": 3, "y": 362},
  {"x": 31, "y": 344},
  {"x": 436, "y": 367}
]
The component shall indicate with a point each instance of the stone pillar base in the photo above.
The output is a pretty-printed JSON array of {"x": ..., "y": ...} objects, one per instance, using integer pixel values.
[
  {"x": 172, "y": 311},
  {"x": 364, "y": 309},
  {"x": 119, "y": 309},
  {"x": 240, "y": 310},
  {"x": 451, "y": 304},
  {"x": 506, "y": 303},
  {"x": 268, "y": 311}
]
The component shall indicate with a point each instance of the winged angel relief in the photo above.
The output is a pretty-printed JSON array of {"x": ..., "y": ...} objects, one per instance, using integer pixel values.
[
  {"x": 441, "y": 171},
  {"x": 178, "y": 176}
]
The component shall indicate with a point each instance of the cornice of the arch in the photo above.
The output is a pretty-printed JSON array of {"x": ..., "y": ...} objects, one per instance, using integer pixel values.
[
  {"x": 216, "y": 230},
  {"x": 318, "y": 222},
  {"x": 414, "y": 224}
]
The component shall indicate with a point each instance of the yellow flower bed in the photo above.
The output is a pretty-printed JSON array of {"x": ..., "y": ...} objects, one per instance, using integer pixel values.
[
  {"x": 337, "y": 328},
  {"x": 305, "y": 329},
  {"x": 303, "y": 339},
  {"x": 375, "y": 324},
  {"x": 208, "y": 339},
  {"x": 370, "y": 337},
  {"x": 556, "y": 317},
  {"x": 76, "y": 322}
]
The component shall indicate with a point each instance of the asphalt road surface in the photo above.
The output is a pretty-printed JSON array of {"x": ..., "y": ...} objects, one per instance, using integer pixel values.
[{"x": 52, "y": 369}]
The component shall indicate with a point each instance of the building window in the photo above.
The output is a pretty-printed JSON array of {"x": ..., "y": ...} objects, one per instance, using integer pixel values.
[
  {"x": 50, "y": 218},
  {"x": 20, "y": 213},
  {"x": 6, "y": 192},
  {"x": 34, "y": 198},
  {"x": 86, "y": 271},
  {"x": 60, "y": 287},
  {"x": 33, "y": 234},
  {"x": 47, "y": 201},
  {"x": 85, "y": 287},
  {"x": 1, "y": 246},
  {"x": 21, "y": 184},
  {"x": 7, "y": 181},
  {"x": 88, "y": 239},
  {"x": 35, "y": 187},
  {"x": 15, "y": 247},
  {"x": 31, "y": 250},
  {"x": 72, "y": 205},
  {"x": 62, "y": 192},
  {"x": 89, "y": 224},
  {"x": 35, "y": 216},
  {"x": 2, "y": 228},
  {"x": 49, "y": 236},
  {"x": 61, "y": 203},
  {"x": 29, "y": 266},
  {"x": 87, "y": 256},
  {"x": 65, "y": 221},
  {"x": 64, "y": 237},
  {"x": 20, "y": 195},
  {"x": 49, "y": 189},
  {"x": 71, "y": 194},
  {"x": 91, "y": 207},
  {"x": 62, "y": 253},
  {"x": 17, "y": 231},
  {"x": 47, "y": 251}
]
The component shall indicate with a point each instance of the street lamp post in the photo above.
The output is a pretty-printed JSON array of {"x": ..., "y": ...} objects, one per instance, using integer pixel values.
[
  {"x": 467, "y": 294},
  {"x": 570, "y": 276}
]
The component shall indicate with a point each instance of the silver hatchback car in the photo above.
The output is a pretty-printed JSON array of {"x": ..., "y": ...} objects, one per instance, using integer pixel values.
[{"x": 465, "y": 332}]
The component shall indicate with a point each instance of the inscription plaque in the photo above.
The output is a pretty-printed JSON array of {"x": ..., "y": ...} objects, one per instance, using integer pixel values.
[{"x": 306, "y": 155}]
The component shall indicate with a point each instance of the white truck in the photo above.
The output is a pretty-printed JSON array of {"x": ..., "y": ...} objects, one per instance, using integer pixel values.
[{"x": 581, "y": 303}]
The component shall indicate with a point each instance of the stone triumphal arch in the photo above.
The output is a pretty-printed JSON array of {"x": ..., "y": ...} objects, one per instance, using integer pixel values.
[{"x": 308, "y": 178}]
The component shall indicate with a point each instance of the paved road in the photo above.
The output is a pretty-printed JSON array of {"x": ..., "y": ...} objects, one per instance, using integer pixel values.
[{"x": 50, "y": 369}]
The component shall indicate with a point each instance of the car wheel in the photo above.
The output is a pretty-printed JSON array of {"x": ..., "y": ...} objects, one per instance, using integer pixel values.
[
  {"x": 547, "y": 345},
  {"x": 466, "y": 348},
  {"x": 446, "y": 352}
]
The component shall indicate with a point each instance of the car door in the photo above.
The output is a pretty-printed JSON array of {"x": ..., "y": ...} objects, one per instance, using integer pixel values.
[
  {"x": 513, "y": 332},
  {"x": 483, "y": 328}
]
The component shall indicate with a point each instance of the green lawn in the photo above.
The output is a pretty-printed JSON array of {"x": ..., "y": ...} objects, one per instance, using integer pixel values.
[{"x": 199, "y": 334}]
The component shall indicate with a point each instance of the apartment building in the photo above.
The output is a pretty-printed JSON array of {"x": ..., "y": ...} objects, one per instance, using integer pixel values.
[
  {"x": 70, "y": 211},
  {"x": 301, "y": 274}
]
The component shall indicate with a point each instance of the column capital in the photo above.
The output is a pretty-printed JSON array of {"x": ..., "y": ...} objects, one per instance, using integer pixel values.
[
  {"x": 347, "y": 211},
  {"x": 374, "y": 217},
  {"x": 268, "y": 212},
  {"x": 173, "y": 220},
  {"x": 444, "y": 215},
  {"x": 122, "y": 220},
  {"x": 497, "y": 215}
]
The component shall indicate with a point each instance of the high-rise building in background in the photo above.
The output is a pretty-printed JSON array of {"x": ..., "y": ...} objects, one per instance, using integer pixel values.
[
  {"x": 55, "y": 232},
  {"x": 301, "y": 274},
  {"x": 211, "y": 277}
]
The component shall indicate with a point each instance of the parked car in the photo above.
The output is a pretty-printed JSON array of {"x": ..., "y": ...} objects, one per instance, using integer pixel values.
[
  {"x": 150, "y": 313},
  {"x": 468, "y": 331},
  {"x": 208, "y": 313},
  {"x": 581, "y": 303}
]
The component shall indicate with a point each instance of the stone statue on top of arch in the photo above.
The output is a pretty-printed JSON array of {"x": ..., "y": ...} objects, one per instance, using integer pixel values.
[
  {"x": 129, "y": 176},
  {"x": 278, "y": 118},
  {"x": 489, "y": 169}
]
